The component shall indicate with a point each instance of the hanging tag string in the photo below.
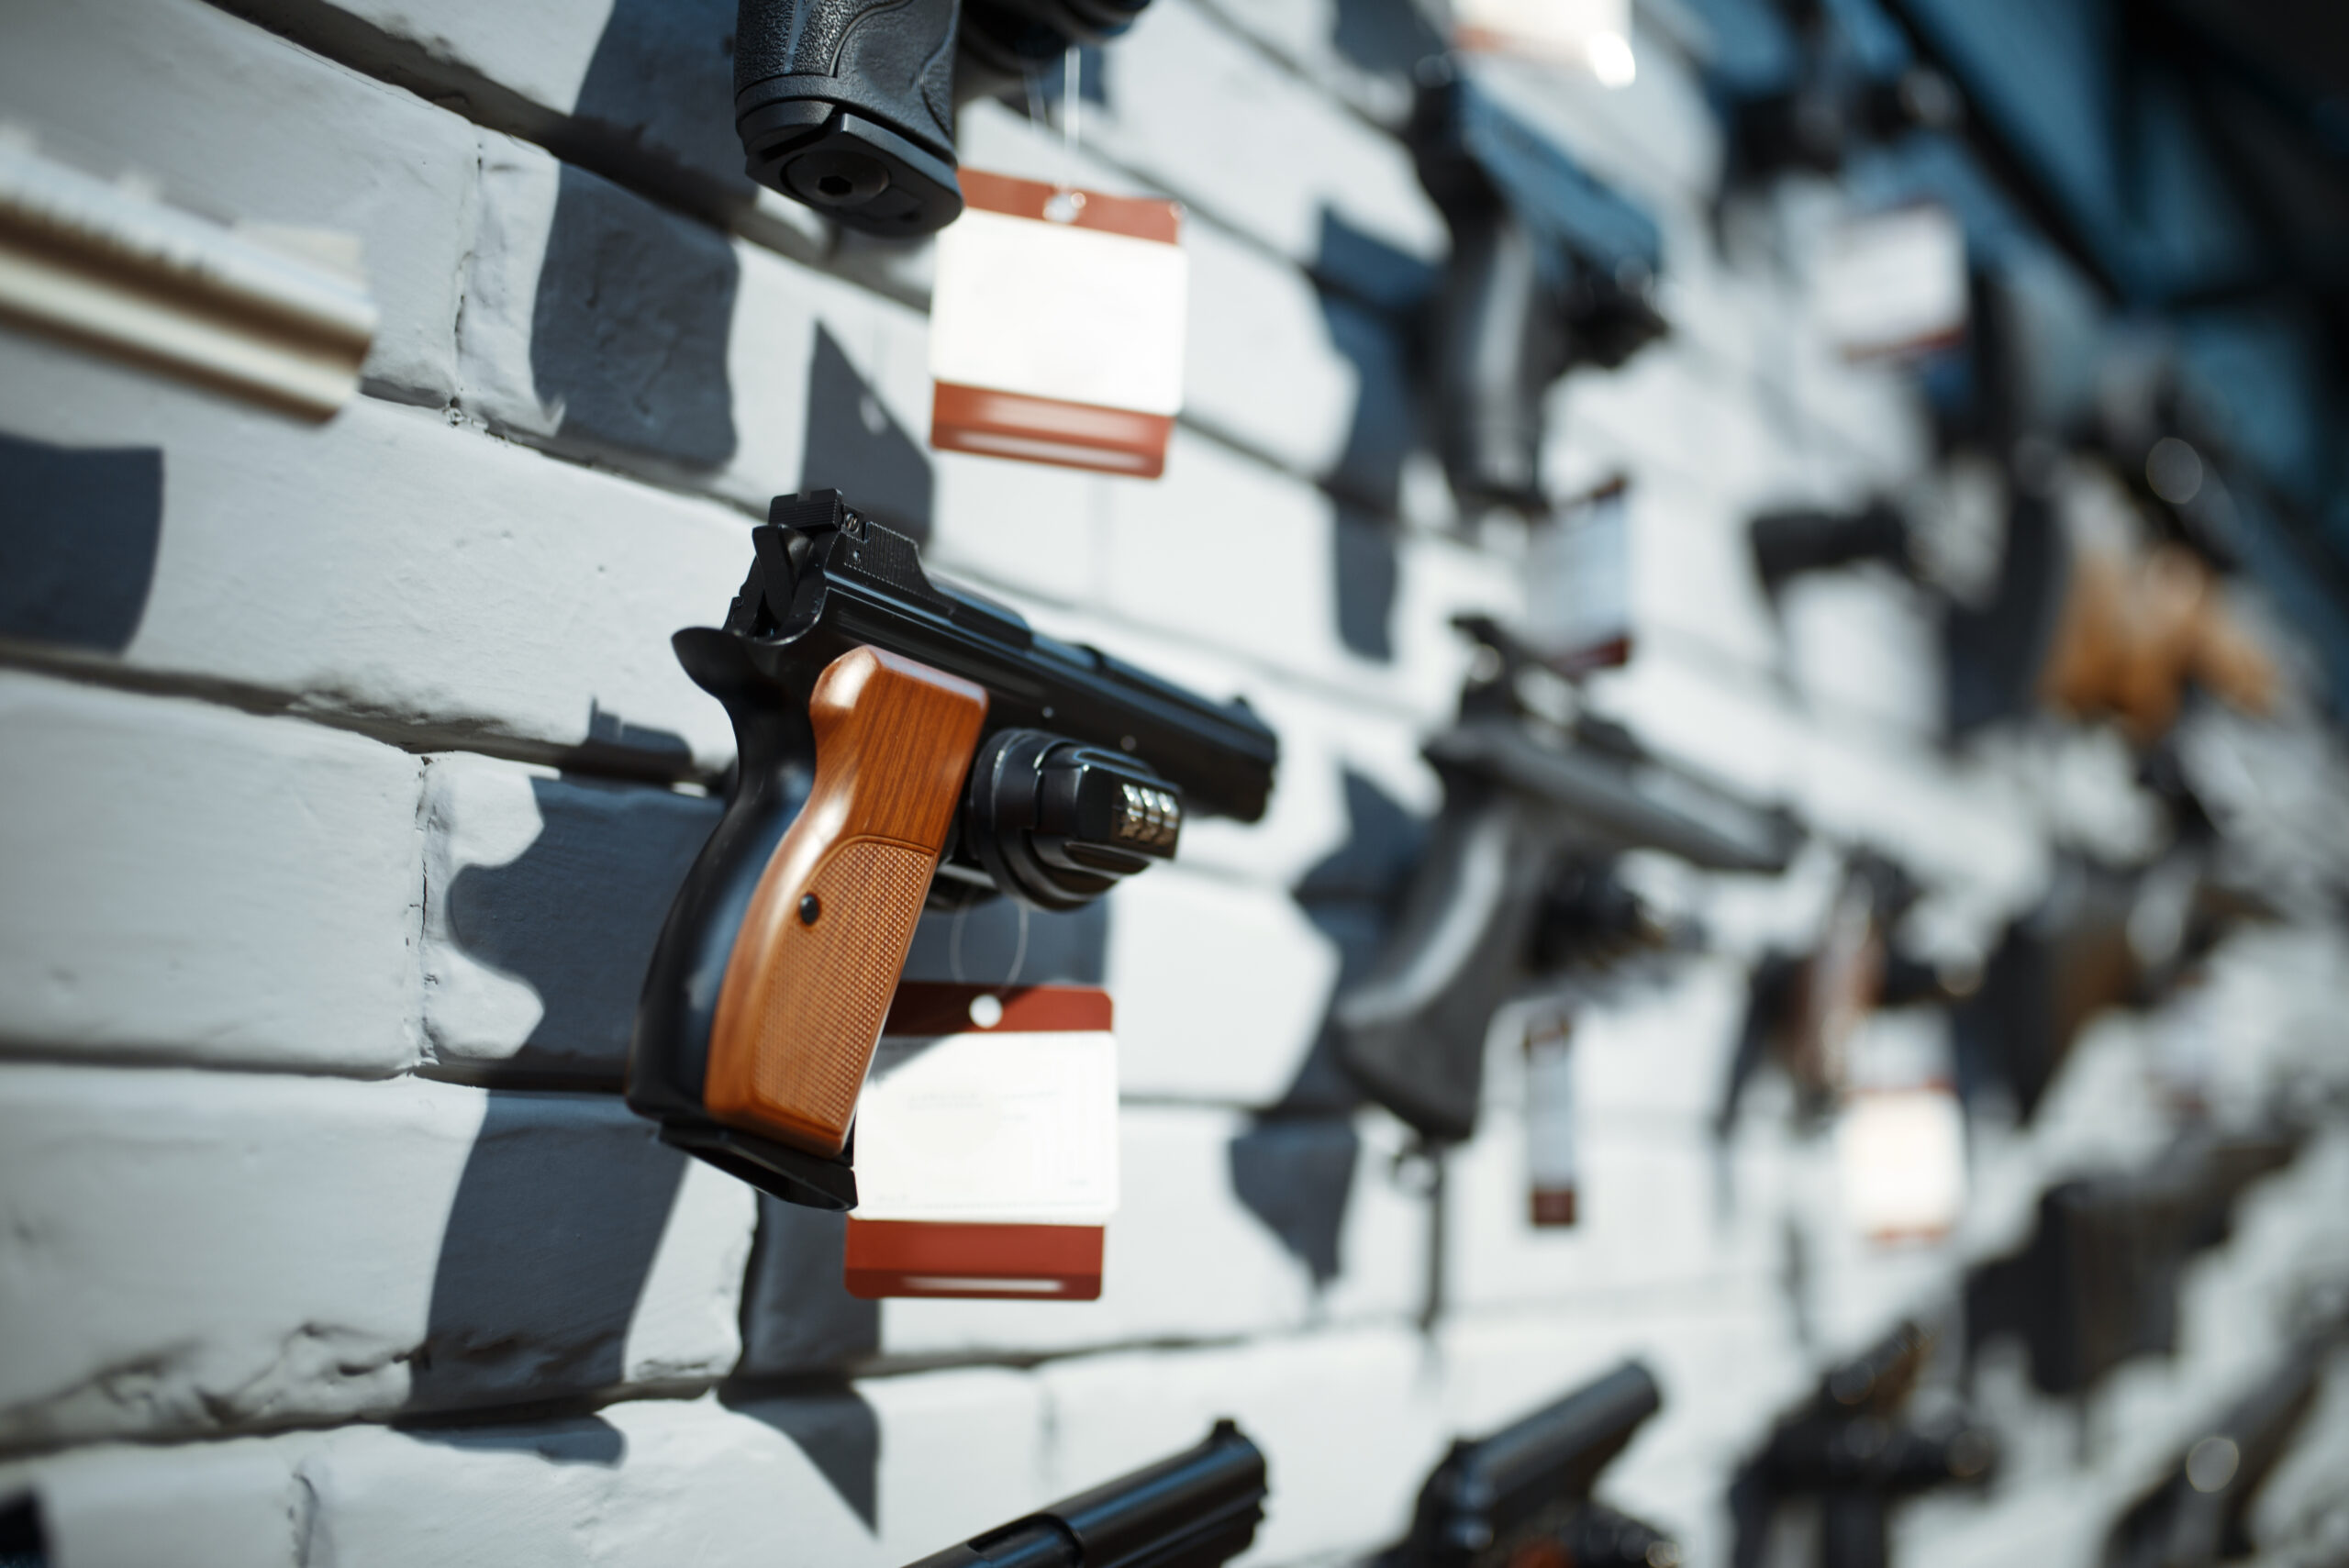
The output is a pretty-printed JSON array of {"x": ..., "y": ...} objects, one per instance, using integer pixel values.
[
  {"x": 1018, "y": 953},
  {"x": 1038, "y": 110},
  {"x": 954, "y": 947}
]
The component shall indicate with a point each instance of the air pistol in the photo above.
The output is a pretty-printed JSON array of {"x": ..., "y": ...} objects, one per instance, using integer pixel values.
[
  {"x": 1530, "y": 806},
  {"x": 900, "y": 743}
]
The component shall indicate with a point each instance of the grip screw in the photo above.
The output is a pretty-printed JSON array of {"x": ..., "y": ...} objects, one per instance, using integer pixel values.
[{"x": 810, "y": 907}]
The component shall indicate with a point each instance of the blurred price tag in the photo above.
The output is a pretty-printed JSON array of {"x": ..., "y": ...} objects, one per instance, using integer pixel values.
[
  {"x": 1578, "y": 583},
  {"x": 987, "y": 1145},
  {"x": 1894, "y": 282},
  {"x": 1593, "y": 33},
  {"x": 1900, "y": 1157},
  {"x": 1551, "y": 1168},
  {"x": 1056, "y": 326},
  {"x": 1841, "y": 982}
]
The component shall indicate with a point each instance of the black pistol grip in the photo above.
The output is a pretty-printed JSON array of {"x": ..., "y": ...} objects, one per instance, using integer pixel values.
[
  {"x": 1789, "y": 544},
  {"x": 1413, "y": 1034},
  {"x": 668, "y": 1049},
  {"x": 849, "y": 107},
  {"x": 1498, "y": 346}
]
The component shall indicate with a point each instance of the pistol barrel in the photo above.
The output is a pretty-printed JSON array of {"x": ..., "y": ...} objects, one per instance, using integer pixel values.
[
  {"x": 1619, "y": 804},
  {"x": 851, "y": 582},
  {"x": 1197, "y": 1510},
  {"x": 1534, "y": 1475}
]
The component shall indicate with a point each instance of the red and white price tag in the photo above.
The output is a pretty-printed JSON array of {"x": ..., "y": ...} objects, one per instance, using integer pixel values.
[
  {"x": 987, "y": 1145},
  {"x": 1552, "y": 1172},
  {"x": 1056, "y": 326},
  {"x": 1593, "y": 33},
  {"x": 1894, "y": 282}
]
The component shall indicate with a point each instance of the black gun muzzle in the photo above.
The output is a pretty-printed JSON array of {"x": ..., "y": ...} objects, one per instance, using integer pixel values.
[{"x": 1526, "y": 1488}]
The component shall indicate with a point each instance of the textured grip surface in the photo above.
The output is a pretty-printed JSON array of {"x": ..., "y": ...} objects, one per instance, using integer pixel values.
[
  {"x": 894, "y": 60},
  {"x": 820, "y": 950},
  {"x": 802, "y": 37},
  {"x": 820, "y": 1015}
]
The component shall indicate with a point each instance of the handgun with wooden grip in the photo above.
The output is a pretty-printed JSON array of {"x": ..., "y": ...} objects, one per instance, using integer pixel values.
[{"x": 900, "y": 744}]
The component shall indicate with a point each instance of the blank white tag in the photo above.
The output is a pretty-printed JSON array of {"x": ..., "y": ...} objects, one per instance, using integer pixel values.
[
  {"x": 1595, "y": 34},
  {"x": 1552, "y": 1169},
  {"x": 1578, "y": 583},
  {"x": 995, "y": 1128},
  {"x": 1900, "y": 1155},
  {"x": 1893, "y": 283},
  {"x": 1057, "y": 324}
]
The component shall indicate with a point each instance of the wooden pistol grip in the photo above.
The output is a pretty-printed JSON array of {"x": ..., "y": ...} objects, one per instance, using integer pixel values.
[{"x": 821, "y": 950}]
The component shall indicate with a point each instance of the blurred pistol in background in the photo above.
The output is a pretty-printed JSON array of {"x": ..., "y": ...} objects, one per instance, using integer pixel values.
[
  {"x": 1847, "y": 1450},
  {"x": 849, "y": 105},
  {"x": 1832, "y": 95},
  {"x": 2197, "y": 1514},
  {"x": 2091, "y": 621},
  {"x": 1511, "y": 882},
  {"x": 2101, "y": 939},
  {"x": 899, "y": 742},
  {"x": 2097, "y": 1284},
  {"x": 1802, "y": 1007},
  {"x": 2089, "y": 632},
  {"x": 1522, "y": 1496},
  {"x": 1198, "y": 1509},
  {"x": 1549, "y": 268}
]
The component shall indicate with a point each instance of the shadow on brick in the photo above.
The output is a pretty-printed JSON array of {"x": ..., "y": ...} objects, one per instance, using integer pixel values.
[{"x": 1294, "y": 1167}]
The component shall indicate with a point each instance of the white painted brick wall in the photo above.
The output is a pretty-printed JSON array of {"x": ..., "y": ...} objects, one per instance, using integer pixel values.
[
  {"x": 392, "y": 572},
  {"x": 1223, "y": 126},
  {"x": 893, "y": 1468},
  {"x": 367, "y": 1249},
  {"x": 610, "y": 328},
  {"x": 646, "y": 91},
  {"x": 326, "y": 899},
  {"x": 244, "y": 126},
  {"x": 162, "y": 859},
  {"x": 542, "y": 898}
]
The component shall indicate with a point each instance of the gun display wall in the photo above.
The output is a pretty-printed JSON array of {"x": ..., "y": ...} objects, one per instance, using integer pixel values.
[{"x": 784, "y": 779}]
